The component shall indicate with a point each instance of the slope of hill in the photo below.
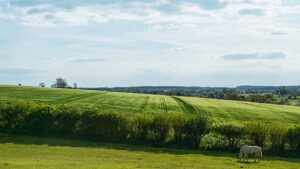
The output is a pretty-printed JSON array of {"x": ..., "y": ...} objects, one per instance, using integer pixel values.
[{"x": 219, "y": 110}]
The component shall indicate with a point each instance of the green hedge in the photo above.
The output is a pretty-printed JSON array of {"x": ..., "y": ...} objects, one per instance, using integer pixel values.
[{"x": 157, "y": 129}]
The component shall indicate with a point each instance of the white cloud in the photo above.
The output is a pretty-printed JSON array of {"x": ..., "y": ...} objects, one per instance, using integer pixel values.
[
  {"x": 183, "y": 39},
  {"x": 79, "y": 16}
]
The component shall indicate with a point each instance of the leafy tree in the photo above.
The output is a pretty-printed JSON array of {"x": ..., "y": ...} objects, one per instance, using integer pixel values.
[
  {"x": 283, "y": 90},
  {"x": 75, "y": 86},
  {"x": 231, "y": 95},
  {"x": 60, "y": 83}
]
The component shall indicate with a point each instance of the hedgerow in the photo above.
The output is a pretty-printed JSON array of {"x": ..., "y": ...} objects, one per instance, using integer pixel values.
[{"x": 157, "y": 129}]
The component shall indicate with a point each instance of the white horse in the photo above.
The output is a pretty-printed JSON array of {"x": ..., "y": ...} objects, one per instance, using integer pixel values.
[{"x": 246, "y": 150}]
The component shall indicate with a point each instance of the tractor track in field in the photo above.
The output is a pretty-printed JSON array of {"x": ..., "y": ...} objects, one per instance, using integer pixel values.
[
  {"x": 186, "y": 107},
  {"x": 143, "y": 106},
  {"x": 163, "y": 105},
  {"x": 77, "y": 97}
]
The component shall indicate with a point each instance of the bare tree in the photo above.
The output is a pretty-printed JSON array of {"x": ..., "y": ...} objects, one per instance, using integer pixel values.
[
  {"x": 75, "y": 86},
  {"x": 60, "y": 83},
  {"x": 42, "y": 84}
]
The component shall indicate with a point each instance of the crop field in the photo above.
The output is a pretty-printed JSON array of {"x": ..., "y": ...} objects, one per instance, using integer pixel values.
[
  {"x": 219, "y": 110},
  {"x": 36, "y": 152}
]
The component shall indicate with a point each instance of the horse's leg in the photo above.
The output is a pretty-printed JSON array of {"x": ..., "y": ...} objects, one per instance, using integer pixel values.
[{"x": 241, "y": 156}]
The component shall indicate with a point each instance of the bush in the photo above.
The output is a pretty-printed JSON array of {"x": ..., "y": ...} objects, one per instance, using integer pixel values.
[
  {"x": 214, "y": 141},
  {"x": 159, "y": 129},
  {"x": 103, "y": 126},
  {"x": 66, "y": 121},
  {"x": 293, "y": 138},
  {"x": 178, "y": 123},
  {"x": 277, "y": 138},
  {"x": 258, "y": 133},
  {"x": 232, "y": 132},
  {"x": 140, "y": 127},
  {"x": 12, "y": 114},
  {"x": 39, "y": 122},
  {"x": 194, "y": 129},
  {"x": 89, "y": 124}
]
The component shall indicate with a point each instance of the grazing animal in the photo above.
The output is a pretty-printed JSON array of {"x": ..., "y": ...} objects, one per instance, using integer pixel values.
[{"x": 248, "y": 150}]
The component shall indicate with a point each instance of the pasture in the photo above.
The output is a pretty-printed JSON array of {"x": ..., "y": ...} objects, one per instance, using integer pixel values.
[
  {"x": 17, "y": 151},
  {"x": 36, "y": 152},
  {"x": 218, "y": 110}
]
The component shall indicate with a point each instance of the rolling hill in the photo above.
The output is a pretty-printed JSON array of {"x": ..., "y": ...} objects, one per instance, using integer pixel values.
[{"x": 218, "y": 110}]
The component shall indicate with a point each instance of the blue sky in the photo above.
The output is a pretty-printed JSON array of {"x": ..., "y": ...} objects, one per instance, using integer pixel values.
[{"x": 159, "y": 42}]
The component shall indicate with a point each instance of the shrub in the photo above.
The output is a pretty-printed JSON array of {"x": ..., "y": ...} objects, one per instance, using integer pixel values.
[
  {"x": 257, "y": 132},
  {"x": 178, "y": 123},
  {"x": 159, "y": 129},
  {"x": 214, "y": 141},
  {"x": 140, "y": 127},
  {"x": 12, "y": 114},
  {"x": 232, "y": 132},
  {"x": 103, "y": 126},
  {"x": 293, "y": 138},
  {"x": 277, "y": 138},
  {"x": 89, "y": 124},
  {"x": 66, "y": 121},
  {"x": 194, "y": 129},
  {"x": 39, "y": 122}
]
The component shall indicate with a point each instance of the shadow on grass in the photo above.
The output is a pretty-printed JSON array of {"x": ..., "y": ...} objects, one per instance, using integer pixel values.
[{"x": 52, "y": 141}]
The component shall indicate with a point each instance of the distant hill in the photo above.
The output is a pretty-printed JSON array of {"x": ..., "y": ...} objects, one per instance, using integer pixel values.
[{"x": 266, "y": 88}]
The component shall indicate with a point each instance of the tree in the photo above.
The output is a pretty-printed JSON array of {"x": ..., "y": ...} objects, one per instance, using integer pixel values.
[
  {"x": 75, "y": 86},
  {"x": 231, "y": 95},
  {"x": 42, "y": 84},
  {"x": 283, "y": 90},
  {"x": 60, "y": 83}
]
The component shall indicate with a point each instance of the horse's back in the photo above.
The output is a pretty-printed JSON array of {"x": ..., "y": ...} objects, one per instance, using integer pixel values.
[{"x": 250, "y": 149}]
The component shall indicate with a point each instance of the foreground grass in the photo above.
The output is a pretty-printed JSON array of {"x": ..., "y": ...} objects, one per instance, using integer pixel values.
[
  {"x": 34, "y": 152},
  {"x": 219, "y": 110}
]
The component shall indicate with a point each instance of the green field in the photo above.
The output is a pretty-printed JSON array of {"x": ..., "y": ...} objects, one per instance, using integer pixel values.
[
  {"x": 39, "y": 152},
  {"x": 34, "y": 152},
  {"x": 219, "y": 110}
]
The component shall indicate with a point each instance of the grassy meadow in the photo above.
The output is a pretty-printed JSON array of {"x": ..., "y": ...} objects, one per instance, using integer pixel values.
[
  {"x": 36, "y": 152},
  {"x": 218, "y": 110}
]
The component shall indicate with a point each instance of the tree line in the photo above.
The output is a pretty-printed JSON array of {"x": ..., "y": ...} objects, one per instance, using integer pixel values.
[
  {"x": 164, "y": 130},
  {"x": 283, "y": 95}
]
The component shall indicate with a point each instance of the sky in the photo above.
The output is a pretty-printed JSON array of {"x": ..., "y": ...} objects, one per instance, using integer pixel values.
[{"x": 98, "y": 43}]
